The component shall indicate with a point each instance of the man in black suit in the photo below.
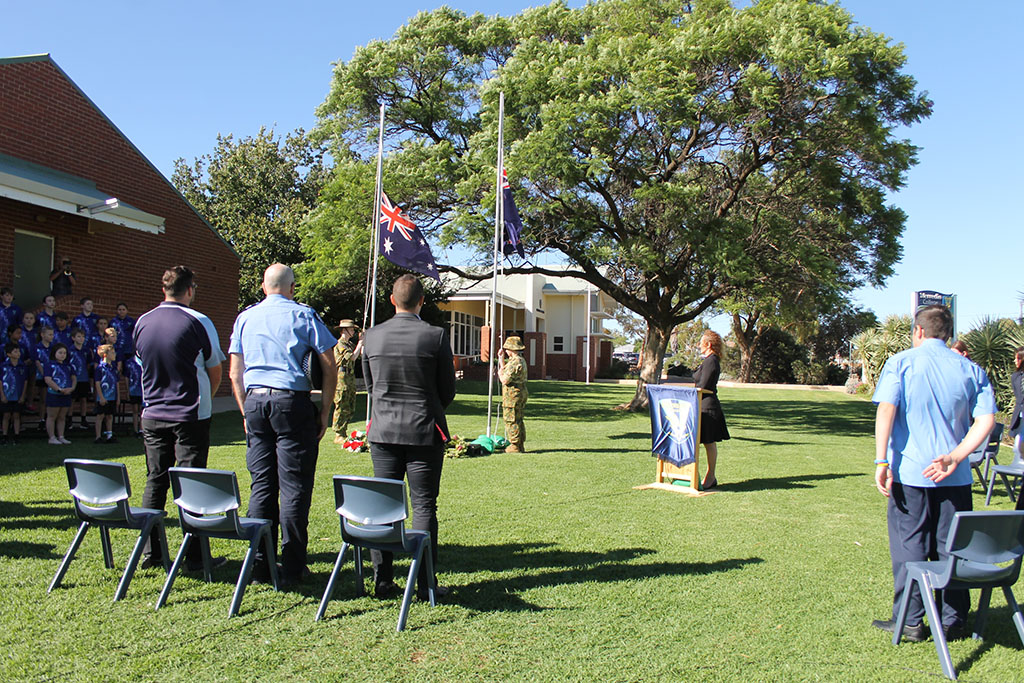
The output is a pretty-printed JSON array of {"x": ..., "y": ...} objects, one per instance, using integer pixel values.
[{"x": 410, "y": 376}]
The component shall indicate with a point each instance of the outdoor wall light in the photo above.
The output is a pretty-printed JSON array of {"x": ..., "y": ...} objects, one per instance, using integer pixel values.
[{"x": 99, "y": 207}]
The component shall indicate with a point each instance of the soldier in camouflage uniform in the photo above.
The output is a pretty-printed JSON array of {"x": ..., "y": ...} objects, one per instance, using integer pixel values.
[
  {"x": 345, "y": 354},
  {"x": 512, "y": 373}
]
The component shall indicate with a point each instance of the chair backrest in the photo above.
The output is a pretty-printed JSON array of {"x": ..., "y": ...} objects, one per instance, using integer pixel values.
[
  {"x": 371, "y": 508},
  {"x": 208, "y": 499},
  {"x": 994, "y": 438},
  {"x": 99, "y": 489},
  {"x": 987, "y": 537}
]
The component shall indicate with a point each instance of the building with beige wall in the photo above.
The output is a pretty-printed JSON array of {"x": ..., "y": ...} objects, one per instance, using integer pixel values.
[{"x": 550, "y": 314}]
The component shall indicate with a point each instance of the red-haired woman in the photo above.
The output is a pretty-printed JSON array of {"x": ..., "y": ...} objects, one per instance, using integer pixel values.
[{"x": 712, "y": 420}]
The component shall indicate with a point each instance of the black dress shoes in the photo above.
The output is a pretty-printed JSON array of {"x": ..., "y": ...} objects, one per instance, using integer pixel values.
[{"x": 915, "y": 634}]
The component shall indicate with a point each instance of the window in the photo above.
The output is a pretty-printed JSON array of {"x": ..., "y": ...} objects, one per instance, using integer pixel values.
[
  {"x": 465, "y": 333},
  {"x": 558, "y": 342}
]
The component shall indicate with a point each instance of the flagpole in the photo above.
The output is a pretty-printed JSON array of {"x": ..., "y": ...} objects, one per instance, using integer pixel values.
[
  {"x": 587, "y": 343},
  {"x": 494, "y": 270},
  {"x": 376, "y": 236}
]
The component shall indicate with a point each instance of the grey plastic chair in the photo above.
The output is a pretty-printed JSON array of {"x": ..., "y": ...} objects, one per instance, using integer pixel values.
[
  {"x": 208, "y": 501},
  {"x": 978, "y": 543},
  {"x": 100, "y": 491},
  {"x": 373, "y": 513},
  {"x": 985, "y": 455},
  {"x": 1015, "y": 471}
]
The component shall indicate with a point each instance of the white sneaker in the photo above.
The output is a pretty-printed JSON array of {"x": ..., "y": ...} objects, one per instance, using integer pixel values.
[
  {"x": 63, "y": 441},
  {"x": 54, "y": 442}
]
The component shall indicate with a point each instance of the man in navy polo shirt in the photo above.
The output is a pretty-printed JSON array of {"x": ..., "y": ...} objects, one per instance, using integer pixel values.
[
  {"x": 927, "y": 398},
  {"x": 283, "y": 427},
  {"x": 181, "y": 370}
]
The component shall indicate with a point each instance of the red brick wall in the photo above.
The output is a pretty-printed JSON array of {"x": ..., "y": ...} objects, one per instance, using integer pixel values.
[
  {"x": 45, "y": 119},
  {"x": 561, "y": 365},
  {"x": 538, "y": 369}
]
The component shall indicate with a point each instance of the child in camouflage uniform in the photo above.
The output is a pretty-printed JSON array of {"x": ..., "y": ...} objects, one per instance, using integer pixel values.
[
  {"x": 345, "y": 354},
  {"x": 512, "y": 373}
]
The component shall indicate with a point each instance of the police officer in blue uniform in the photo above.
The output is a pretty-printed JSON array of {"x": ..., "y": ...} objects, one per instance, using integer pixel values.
[{"x": 283, "y": 427}]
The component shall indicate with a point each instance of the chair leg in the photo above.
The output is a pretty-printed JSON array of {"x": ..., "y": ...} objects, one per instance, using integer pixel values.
[
  {"x": 133, "y": 561},
  {"x": 108, "y": 553},
  {"x": 68, "y": 556},
  {"x": 178, "y": 559},
  {"x": 1018, "y": 618},
  {"x": 204, "y": 546},
  {"x": 360, "y": 581},
  {"x": 935, "y": 621},
  {"x": 981, "y": 614},
  {"x": 271, "y": 554},
  {"x": 329, "y": 591},
  {"x": 244, "y": 575},
  {"x": 1009, "y": 489},
  {"x": 165, "y": 545},
  {"x": 991, "y": 486},
  {"x": 410, "y": 587},
  {"x": 901, "y": 615},
  {"x": 431, "y": 578}
]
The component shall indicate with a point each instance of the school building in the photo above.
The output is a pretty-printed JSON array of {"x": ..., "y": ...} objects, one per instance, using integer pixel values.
[
  {"x": 551, "y": 315},
  {"x": 73, "y": 186}
]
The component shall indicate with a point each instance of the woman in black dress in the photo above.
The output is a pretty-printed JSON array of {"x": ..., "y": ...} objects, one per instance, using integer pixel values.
[{"x": 712, "y": 420}]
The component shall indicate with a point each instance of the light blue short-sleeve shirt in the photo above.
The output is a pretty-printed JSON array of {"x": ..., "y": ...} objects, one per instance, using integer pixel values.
[
  {"x": 272, "y": 337},
  {"x": 937, "y": 394}
]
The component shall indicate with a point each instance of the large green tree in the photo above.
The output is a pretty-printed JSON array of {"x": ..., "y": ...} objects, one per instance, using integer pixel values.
[
  {"x": 256, "y": 191},
  {"x": 673, "y": 157}
]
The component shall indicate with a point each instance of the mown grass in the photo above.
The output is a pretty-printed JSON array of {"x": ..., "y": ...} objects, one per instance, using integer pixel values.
[{"x": 560, "y": 569}]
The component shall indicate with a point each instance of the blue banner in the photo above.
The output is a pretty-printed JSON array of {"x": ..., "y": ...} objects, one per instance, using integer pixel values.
[{"x": 675, "y": 411}]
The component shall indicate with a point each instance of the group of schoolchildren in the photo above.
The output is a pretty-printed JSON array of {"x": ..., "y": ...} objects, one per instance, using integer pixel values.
[{"x": 64, "y": 364}]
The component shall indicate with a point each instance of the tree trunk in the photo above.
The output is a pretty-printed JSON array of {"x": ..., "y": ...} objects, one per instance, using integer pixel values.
[
  {"x": 747, "y": 335},
  {"x": 652, "y": 356}
]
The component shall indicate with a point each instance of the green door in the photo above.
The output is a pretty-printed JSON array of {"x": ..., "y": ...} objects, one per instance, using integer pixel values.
[{"x": 33, "y": 261}]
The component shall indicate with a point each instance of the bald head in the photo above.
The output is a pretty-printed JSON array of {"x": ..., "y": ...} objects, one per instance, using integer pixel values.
[{"x": 279, "y": 279}]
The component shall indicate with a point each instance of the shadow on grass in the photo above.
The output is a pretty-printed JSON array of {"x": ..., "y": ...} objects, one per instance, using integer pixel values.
[
  {"x": 999, "y": 630},
  {"x": 802, "y": 481},
  {"x": 32, "y": 515},
  {"x": 835, "y": 418},
  {"x": 17, "y": 550}
]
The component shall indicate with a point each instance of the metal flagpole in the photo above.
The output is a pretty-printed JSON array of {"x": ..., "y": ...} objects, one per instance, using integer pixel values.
[
  {"x": 494, "y": 270},
  {"x": 586, "y": 344},
  {"x": 376, "y": 236}
]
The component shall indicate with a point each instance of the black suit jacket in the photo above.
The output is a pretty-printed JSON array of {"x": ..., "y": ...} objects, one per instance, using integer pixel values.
[{"x": 409, "y": 374}]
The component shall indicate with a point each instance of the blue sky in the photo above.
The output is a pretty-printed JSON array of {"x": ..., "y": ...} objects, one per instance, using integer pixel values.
[{"x": 172, "y": 76}]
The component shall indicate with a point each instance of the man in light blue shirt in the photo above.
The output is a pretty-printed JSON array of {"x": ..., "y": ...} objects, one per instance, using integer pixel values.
[
  {"x": 927, "y": 398},
  {"x": 283, "y": 426}
]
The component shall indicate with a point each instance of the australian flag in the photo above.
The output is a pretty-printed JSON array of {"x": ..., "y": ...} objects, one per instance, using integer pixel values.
[
  {"x": 675, "y": 414},
  {"x": 513, "y": 226},
  {"x": 402, "y": 243}
]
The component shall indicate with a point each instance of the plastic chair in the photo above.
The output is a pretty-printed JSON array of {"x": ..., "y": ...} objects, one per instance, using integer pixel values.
[
  {"x": 978, "y": 543},
  {"x": 208, "y": 501},
  {"x": 1015, "y": 470},
  {"x": 373, "y": 513},
  {"x": 985, "y": 455},
  {"x": 100, "y": 491}
]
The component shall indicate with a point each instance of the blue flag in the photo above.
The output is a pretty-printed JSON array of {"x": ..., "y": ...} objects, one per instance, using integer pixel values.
[
  {"x": 402, "y": 243},
  {"x": 513, "y": 226},
  {"x": 675, "y": 412}
]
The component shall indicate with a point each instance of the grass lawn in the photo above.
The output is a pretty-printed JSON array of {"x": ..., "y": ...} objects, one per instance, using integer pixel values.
[{"x": 560, "y": 570}]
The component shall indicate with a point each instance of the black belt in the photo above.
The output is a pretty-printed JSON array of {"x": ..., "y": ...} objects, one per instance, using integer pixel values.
[{"x": 269, "y": 391}]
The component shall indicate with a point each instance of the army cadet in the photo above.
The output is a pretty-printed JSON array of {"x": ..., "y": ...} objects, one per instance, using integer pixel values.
[
  {"x": 345, "y": 354},
  {"x": 512, "y": 373}
]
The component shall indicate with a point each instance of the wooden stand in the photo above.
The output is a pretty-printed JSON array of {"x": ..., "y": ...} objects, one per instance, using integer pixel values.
[{"x": 666, "y": 473}]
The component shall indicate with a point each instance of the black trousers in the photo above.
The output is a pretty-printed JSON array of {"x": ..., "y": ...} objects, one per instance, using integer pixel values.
[
  {"x": 422, "y": 465},
  {"x": 171, "y": 444},
  {"x": 919, "y": 520},
  {"x": 281, "y": 431}
]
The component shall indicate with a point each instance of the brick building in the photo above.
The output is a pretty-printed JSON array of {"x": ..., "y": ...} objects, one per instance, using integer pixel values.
[{"x": 62, "y": 165}]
